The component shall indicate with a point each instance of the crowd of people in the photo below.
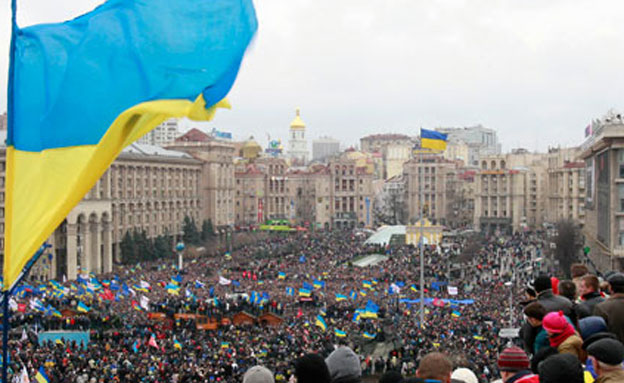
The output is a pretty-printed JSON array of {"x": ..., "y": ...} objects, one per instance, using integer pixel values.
[{"x": 337, "y": 322}]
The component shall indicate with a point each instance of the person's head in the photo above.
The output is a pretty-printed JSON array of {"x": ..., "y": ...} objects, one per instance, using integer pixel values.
[
  {"x": 530, "y": 291},
  {"x": 541, "y": 355},
  {"x": 511, "y": 361},
  {"x": 591, "y": 325},
  {"x": 567, "y": 289},
  {"x": 561, "y": 368},
  {"x": 577, "y": 270},
  {"x": 464, "y": 375},
  {"x": 391, "y": 376},
  {"x": 258, "y": 374},
  {"x": 311, "y": 368},
  {"x": 589, "y": 284},
  {"x": 542, "y": 283},
  {"x": 535, "y": 313},
  {"x": 343, "y": 364},
  {"x": 435, "y": 366},
  {"x": 555, "y": 323},
  {"x": 607, "y": 355},
  {"x": 616, "y": 283}
]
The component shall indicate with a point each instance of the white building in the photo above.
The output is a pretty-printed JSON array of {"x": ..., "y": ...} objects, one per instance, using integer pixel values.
[
  {"x": 481, "y": 142},
  {"x": 324, "y": 148},
  {"x": 297, "y": 144},
  {"x": 164, "y": 133}
]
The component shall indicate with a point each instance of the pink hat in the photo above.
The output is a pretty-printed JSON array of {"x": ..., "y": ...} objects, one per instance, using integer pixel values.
[{"x": 555, "y": 322}]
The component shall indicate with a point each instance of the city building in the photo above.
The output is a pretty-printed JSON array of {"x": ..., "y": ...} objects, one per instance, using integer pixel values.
[
  {"x": 147, "y": 188},
  {"x": 376, "y": 142},
  {"x": 249, "y": 197},
  {"x": 164, "y": 133},
  {"x": 351, "y": 190},
  {"x": 217, "y": 188},
  {"x": 603, "y": 154},
  {"x": 481, "y": 142},
  {"x": 458, "y": 151},
  {"x": 297, "y": 144},
  {"x": 510, "y": 192},
  {"x": 324, "y": 147},
  {"x": 394, "y": 150},
  {"x": 3, "y": 121},
  {"x": 437, "y": 176},
  {"x": 566, "y": 186},
  {"x": 394, "y": 157}
]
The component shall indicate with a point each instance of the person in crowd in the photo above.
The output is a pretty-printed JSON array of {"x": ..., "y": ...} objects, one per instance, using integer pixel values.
[
  {"x": 590, "y": 296},
  {"x": 561, "y": 368},
  {"x": 464, "y": 375},
  {"x": 344, "y": 366},
  {"x": 612, "y": 309},
  {"x": 258, "y": 374},
  {"x": 513, "y": 364},
  {"x": 590, "y": 369},
  {"x": 548, "y": 299},
  {"x": 578, "y": 271},
  {"x": 607, "y": 355},
  {"x": 535, "y": 313},
  {"x": 562, "y": 335},
  {"x": 311, "y": 368},
  {"x": 567, "y": 289},
  {"x": 435, "y": 366},
  {"x": 591, "y": 325}
]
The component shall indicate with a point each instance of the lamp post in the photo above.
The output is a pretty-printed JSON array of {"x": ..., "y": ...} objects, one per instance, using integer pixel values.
[{"x": 179, "y": 249}]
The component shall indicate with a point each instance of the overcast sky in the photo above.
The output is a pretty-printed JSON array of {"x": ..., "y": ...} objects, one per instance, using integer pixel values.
[{"x": 536, "y": 71}]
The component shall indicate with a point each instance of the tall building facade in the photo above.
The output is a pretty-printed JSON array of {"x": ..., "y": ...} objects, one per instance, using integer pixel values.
[
  {"x": 510, "y": 192},
  {"x": 566, "y": 186},
  {"x": 297, "y": 143},
  {"x": 217, "y": 180},
  {"x": 603, "y": 154},
  {"x": 324, "y": 147},
  {"x": 394, "y": 151},
  {"x": 435, "y": 177},
  {"x": 164, "y": 133}
]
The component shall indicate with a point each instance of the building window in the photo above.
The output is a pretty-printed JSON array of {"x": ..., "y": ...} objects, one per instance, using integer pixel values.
[{"x": 621, "y": 196}]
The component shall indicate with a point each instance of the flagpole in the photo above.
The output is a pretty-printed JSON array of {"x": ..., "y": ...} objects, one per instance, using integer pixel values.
[{"x": 422, "y": 242}]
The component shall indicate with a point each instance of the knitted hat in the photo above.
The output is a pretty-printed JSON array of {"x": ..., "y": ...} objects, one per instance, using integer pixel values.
[
  {"x": 464, "y": 375},
  {"x": 609, "y": 351},
  {"x": 513, "y": 359},
  {"x": 561, "y": 368},
  {"x": 591, "y": 325},
  {"x": 555, "y": 322}
]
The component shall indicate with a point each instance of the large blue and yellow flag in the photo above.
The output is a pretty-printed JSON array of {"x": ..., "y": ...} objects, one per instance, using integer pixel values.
[
  {"x": 82, "y": 90},
  {"x": 430, "y": 139}
]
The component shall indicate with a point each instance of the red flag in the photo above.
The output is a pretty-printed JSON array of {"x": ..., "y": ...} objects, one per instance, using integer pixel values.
[
  {"x": 299, "y": 313},
  {"x": 152, "y": 342},
  {"x": 21, "y": 307},
  {"x": 438, "y": 302},
  {"x": 107, "y": 295}
]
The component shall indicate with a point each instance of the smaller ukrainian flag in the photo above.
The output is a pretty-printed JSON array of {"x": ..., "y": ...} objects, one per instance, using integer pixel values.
[
  {"x": 456, "y": 314},
  {"x": 225, "y": 345},
  {"x": 340, "y": 333},
  {"x": 177, "y": 345},
  {"x": 58, "y": 341},
  {"x": 304, "y": 293},
  {"x": 353, "y": 295},
  {"x": 340, "y": 297},
  {"x": 414, "y": 288},
  {"x": 83, "y": 308},
  {"x": 477, "y": 337},
  {"x": 363, "y": 293},
  {"x": 321, "y": 322},
  {"x": 366, "y": 284},
  {"x": 41, "y": 376},
  {"x": 368, "y": 335},
  {"x": 430, "y": 139},
  {"x": 281, "y": 275}
]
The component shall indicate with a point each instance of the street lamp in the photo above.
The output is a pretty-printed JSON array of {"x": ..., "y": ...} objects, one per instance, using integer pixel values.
[{"x": 179, "y": 249}]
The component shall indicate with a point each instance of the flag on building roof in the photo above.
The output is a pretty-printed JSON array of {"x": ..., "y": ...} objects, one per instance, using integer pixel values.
[{"x": 144, "y": 62}]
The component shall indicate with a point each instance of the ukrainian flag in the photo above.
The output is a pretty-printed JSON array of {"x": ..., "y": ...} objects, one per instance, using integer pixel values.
[
  {"x": 304, "y": 293},
  {"x": 177, "y": 345},
  {"x": 340, "y": 297},
  {"x": 456, "y": 314},
  {"x": 281, "y": 275},
  {"x": 430, "y": 139},
  {"x": 369, "y": 335},
  {"x": 83, "y": 308},
  {"x": 41, "y": 376},
  {"x": 340, "y": 333},
  {"x": 225, "y": 345},
  {"x": 366, "y": 284},
  {"x": 82, "y": 90},
  {"x": 321, "y": 322}
]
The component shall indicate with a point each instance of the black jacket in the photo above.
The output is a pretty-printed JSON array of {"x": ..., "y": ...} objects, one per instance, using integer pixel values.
[{"x": 586, "y": 308}]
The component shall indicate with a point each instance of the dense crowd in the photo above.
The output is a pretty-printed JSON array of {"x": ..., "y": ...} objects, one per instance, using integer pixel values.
[{"x": 330, "y": 307}]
